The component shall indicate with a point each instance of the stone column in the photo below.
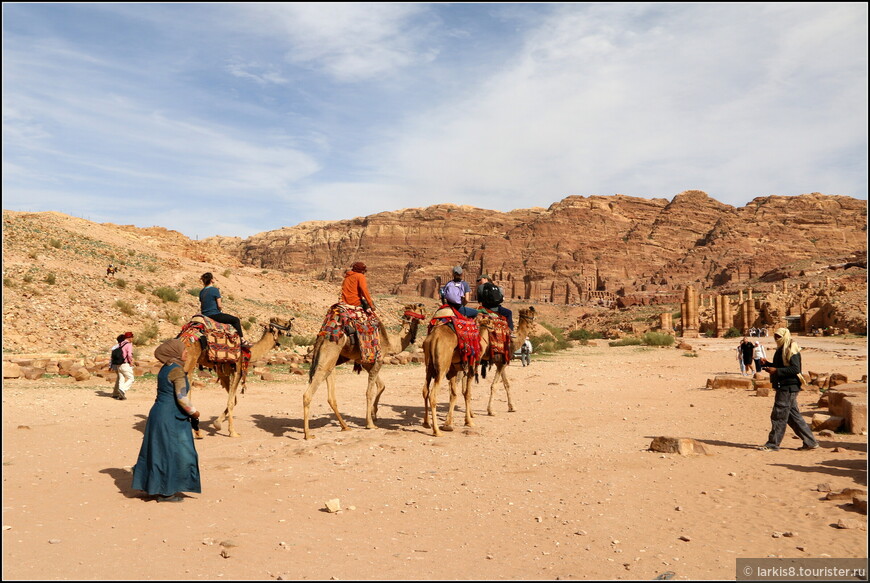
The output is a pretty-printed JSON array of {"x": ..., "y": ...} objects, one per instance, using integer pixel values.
[
  {"x": 750, "y": 293},
  {"x": 690, "y": 324},
  {"x": 717, "y": 314},
  {"x": 740, "y": 301},
  {"x": 683, "y": 318},
  {"x": 666, "y": 321}
]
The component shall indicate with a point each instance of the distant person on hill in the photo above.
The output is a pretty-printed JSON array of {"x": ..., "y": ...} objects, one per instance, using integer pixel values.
[
  {"x": 456, "y": 294},
  {"x": 210, "y": 304},
  {"x": 784, "y": 371}
]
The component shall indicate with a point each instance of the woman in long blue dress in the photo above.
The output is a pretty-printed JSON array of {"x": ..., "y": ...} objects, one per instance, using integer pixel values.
[{"x": 168, "y": 463}]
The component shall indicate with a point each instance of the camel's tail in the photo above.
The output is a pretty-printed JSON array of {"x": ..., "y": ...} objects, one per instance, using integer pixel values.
[{"x": 315, "y": 356}]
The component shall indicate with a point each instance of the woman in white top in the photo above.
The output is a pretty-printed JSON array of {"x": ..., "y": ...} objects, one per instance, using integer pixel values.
[{"x": 758, "y": 354}]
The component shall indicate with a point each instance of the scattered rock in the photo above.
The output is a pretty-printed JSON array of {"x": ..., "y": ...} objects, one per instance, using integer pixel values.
[
  {"x": 333, "y": 505},
  {"x": 845, "y": 494},
  {"x": 851, "y": 523},
  {"x": 680, "y": 445}
]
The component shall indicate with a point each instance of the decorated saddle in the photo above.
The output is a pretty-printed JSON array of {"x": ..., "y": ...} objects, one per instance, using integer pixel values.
[
  {"x": 499, "y": 337},
  {"x": 467, "y": 333},
  {"x": 221, "y": 341},
  {"x": 346, "y": 320}
]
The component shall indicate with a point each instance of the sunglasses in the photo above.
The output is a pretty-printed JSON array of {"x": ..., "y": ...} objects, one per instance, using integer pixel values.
[{"x": 777, "y": 336}]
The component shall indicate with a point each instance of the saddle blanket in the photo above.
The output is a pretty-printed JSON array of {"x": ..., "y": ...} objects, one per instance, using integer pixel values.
[
  {"x": 222, "y": 340},
  {"x": 467, "y": 335},
  {"x": 500, "y": 336},
  {"x": 364, "y": 323}
]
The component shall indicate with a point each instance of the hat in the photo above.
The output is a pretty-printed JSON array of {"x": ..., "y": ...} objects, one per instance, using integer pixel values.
[
  {"x": 484, "y": 276},
  {"x": 457, "y": 270},
  {"x": 359, "y": 267},
  {"x": 128, "y": 334}
]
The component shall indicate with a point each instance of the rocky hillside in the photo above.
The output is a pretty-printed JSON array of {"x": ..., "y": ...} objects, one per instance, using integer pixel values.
[
  {"x": 614, "y": 244},
  {"x": 58, "y": 298}
]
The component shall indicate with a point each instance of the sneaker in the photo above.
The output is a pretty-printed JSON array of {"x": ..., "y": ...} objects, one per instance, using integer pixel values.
[
  {"x": 121, "y": 397},
  {"x": 768, "y": 448},
  {"x": 806, "y": 447}
]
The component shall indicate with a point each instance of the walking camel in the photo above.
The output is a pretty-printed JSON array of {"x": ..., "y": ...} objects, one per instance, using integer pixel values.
[
  {"x": 443, "y": 359},
  {"x": 527, "y": 318},
  {"x": 230, "y": 374},
  {"x": 327, "y": 355}
]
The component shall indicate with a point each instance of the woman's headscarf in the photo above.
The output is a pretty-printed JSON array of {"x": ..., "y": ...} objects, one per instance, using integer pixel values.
[
  {"x": 789, "y": 346},
  {"x": 170, "y": 352}
]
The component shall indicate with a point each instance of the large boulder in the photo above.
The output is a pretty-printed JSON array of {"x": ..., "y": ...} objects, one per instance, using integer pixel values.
[
  {"x": 11, "y": 370},
  {"x": 849, "y": 401},
  {"x": 731, "y": 382}
]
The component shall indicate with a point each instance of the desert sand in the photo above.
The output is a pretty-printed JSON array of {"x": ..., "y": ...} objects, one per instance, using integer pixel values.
[{"x": 564, "y": 488}]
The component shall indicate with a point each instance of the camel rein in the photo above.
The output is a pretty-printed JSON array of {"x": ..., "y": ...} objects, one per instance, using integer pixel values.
[{"x": 414, "y": 315}]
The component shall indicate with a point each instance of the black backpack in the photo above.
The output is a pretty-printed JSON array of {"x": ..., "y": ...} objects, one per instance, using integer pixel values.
[
  {"x": 490, "y": 295},
  {"x": 117, "y": 356}
]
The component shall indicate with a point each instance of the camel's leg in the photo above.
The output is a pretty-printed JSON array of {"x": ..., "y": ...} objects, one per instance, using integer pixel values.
[
  {"x": 433, "y": 406},
  {"x": 225, "y": 383},
  {"x": 492, "y": 390},
  {"x": 426, "y": 400},
  {"x": 330, "y": 398},
  {"x": 372, "y": 387},
  {"x": 469, "y": 378},
  {"x": 507, "y": 390},
  {"x": 319, "y": 375},
  {"x": 232, "y": 398},
  {"x": 381, "y": 387},
  {"x": 454, "y": 393}
]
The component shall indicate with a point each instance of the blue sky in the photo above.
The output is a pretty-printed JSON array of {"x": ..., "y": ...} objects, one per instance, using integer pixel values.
[{"x": 234, "y": 119}]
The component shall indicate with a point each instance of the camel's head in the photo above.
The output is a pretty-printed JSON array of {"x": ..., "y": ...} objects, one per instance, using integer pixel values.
[
  {"x": 528, "y": 315},
  {"x": 279, "y": 327},
  {"x": 413, "y": 312}
]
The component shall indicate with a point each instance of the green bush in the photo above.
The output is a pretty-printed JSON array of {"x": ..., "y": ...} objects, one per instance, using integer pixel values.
[
  {"x": 7, "y": 282},
  {"x": 194, "y": 291},
  {"x": 27, "y": 278},
  {"x": 733, "y": 333},
  {"x": 227, "y": 273},
  {"x": 583, "y": 334},
  {"x": 627, "y": 341},
  {"x": 121, "y": 283},
  {"x": 33, "y": 255},
  {"x": 147, "y": 334},
  {"x": 167, "y": 294},
  {"x": 125, "y": 307},
  {"x": 50, "y": 279},
  {"x": 301, "y": 340},
  {"x": 152, "y": 268},
  {"x": 140, "y": 287},
  {"x": 55, "y": 243},
  {"x": 658, "y": 339},
  {"x": 247, "y": 325}
]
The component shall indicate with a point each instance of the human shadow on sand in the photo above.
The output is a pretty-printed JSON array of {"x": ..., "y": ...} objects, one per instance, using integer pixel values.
[
  {"x": 718, "y": 442},
  {"x": 123, "y": 481},
  {"x": 854, "y": 469}
]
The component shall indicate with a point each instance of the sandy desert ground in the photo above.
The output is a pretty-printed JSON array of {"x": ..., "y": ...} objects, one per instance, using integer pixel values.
[{"x": 564, "y": 488}]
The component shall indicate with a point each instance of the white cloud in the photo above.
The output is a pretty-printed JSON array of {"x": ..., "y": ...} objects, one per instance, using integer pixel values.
[{"x": 349, "y": 41}]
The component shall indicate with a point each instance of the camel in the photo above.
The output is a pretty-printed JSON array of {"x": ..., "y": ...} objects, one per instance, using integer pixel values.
[
  {"x": 327, "y": 355},
  {"x": 527, "y": 318},
  {"x": 443, "y": 359},
  {"x": 230, "y": 374}
]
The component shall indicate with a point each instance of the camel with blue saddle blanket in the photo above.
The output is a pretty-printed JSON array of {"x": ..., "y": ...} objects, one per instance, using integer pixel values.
[
  {"x": 454, "y": 345},
  {"x": 349, "y": 333},
  {"x": 217, "y": 347}
]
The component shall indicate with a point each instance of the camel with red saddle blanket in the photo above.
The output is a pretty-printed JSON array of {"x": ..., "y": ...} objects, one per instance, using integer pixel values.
[
  {"x": 454, "y": 345},
  {"x": 228, "y": 358},
  {"x": 500, "y": 351},
  {"x": 333, "y": 347}
]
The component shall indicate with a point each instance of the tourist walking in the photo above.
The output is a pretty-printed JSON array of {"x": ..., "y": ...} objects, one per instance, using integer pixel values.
[
  {"x": 784, "y": 373},
  {"x": 122, "y": 363},
  {"x": 168, "y": 463},
  {"x": 746, "y": 349},
  {"x": 758, "y": 354}
]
